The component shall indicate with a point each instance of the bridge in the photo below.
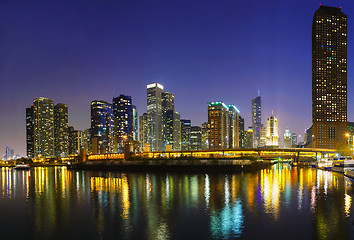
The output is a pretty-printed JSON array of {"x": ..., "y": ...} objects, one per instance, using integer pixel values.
[{"x": 295, "y": 154}]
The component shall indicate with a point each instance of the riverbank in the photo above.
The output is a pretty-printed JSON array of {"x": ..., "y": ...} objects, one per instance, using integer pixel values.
[{"x": 215, "y": 165}]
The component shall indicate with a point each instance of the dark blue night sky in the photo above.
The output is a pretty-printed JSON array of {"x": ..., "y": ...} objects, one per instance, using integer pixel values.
[{"x": 77, "y": 51}]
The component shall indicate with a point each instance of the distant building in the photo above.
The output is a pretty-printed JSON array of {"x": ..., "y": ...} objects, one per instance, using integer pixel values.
[
  {"x": 241, "y": 124},
  {"x": 185, "y": 134},
  {"x": 61, "y": 130},
  {"x": 145, "y": 138},
  {"x": 124, "y": 121},
  {"x": 272, "y": 132},
  {"x": 263, "y": 137},
  {"x": 249, "y": 138},
  {"x": 256, "y": 119},
  {"x": 233, "y": 130},
  {"x": 287, "y": 139},
  {"x": 29, "y": 132},
  {"x": 172, "y": 130},
  {"x": 223, "y": 126},
  {"x": 196, "y": 138},
  {"x": 294, "y": 140},
  {"x": 87, "y": 140},
  {"x": 102, "y": 127},
  {"x": 329, "y": 78},
  {"x": 43, "y": 117},
  {"x": 205, "y": 136},
  {"x": 7, "y": 156}
]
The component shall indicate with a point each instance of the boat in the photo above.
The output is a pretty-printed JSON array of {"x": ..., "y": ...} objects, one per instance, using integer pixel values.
[
  {"x": 22, "y": 167},
  {"x": 342, "y": 163},
  {"x": 324, "y": 164}
]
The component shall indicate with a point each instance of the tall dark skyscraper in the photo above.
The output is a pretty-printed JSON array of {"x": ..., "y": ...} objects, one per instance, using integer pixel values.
[
  {"x": 329, "y": 78},
  {"x": 124, "y": 121},
  {"x": 256, "y": 119},
  {"x": 61, "y": 130},
  {"x": 241, "y": 123},
  {"x": 29, "y": 132},
  {"x": 102, "y": 126}
]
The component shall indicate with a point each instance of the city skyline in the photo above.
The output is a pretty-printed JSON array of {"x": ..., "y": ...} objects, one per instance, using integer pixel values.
[{"x": 174, "y": 75}]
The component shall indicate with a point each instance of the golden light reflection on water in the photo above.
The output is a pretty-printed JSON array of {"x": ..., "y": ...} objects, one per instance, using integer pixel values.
[{"x": 159, "y": 202}]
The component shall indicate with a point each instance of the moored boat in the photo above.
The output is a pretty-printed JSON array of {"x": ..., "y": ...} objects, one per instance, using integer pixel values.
[{"x": 22, "y": 167}]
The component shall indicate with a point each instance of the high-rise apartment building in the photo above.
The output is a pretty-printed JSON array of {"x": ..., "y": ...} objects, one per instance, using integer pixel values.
[
  {"x": 125, "y": 118},
  {"x": 196, "y": 138},
  {"x": 329, "y": 78},
  {"x": 223, "y": 122},
  {"x": 154, "y": 110},
  {"x": 185, "y": 134},
  {"x": 272, "y": 132},
  {"x": 102, "y": 127},
  {"x": 29, "y": 132},
  {"x": 43, "y": 117},
  {"x": 61, "y": 130},
  {"x": 256, "y": 119}
]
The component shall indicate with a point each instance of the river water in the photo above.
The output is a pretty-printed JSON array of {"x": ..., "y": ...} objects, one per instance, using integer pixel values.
[{"x": 277, "y": 203}]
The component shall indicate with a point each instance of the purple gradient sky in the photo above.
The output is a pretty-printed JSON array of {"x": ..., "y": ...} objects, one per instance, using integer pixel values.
[{"x": 199, "y": 50}]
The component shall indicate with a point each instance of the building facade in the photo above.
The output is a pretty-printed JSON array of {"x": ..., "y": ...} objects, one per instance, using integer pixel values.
[
  {"x": 329, "y": 78},
  {"x": 185, "y": 134},
  {"x": 43, "y": 130},
  {"x": 223, "y": 122},
  {"x": 29, "y": 132},
  {"x": 61, "y": 130},
  {"x": 196, "y": 138},
  {"x": 256, "y": 119},
  {"x": 272, "y": 139},
  {"x": 125, "y": 118},
  {"x": 102, "y": 127},
  {"x": 154, "y": 110},
  {"x": 287, "y": 139}
]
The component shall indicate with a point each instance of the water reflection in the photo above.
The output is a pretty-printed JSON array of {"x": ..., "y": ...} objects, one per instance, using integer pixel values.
[{"x": 64, "y": 204}]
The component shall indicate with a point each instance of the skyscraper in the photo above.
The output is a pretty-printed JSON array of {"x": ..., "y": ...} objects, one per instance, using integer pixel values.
[
  {"x": 102, "y": 127},
  {"x": 185, "y": 134},
  {"x": 272, "y": 139},
  {"x": 43, "y": 116},
  {"x": 329, "y": 78},
  {"x": 223, "y": 122},
  {"x": 233, "y": 124},
  {"x": 61, "y": 130},
  {"x": 124, "y": 121},
  {"x": 29, "y": 132},
  {"x": 256, "y": 119},
  {"x": 154, "y": 110}
]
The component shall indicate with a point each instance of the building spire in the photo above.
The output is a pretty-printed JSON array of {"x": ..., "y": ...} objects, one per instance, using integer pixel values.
[{"x": 259, "y": 92}]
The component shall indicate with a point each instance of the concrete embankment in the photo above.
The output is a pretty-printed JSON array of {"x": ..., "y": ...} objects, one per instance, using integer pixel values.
[{"x": 215, "y": 165}]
